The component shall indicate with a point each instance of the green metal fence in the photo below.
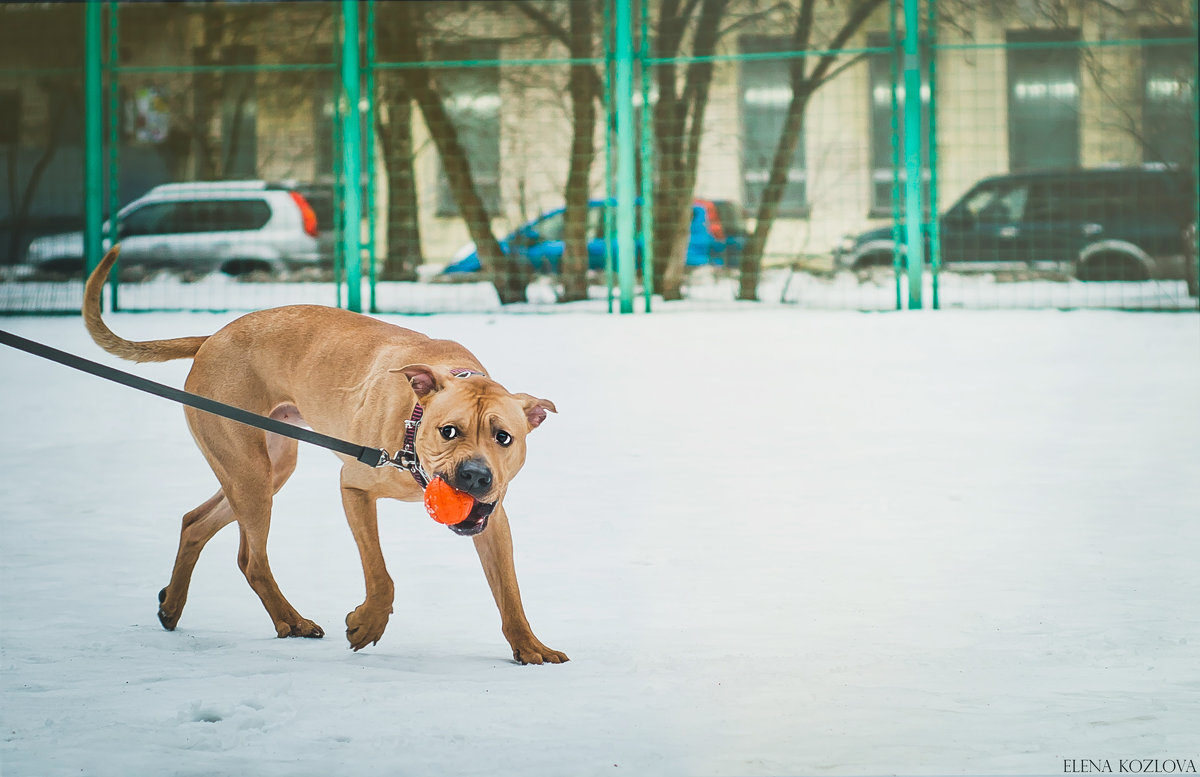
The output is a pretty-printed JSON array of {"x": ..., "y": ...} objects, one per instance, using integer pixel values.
[{"x": 617, "y": 155}]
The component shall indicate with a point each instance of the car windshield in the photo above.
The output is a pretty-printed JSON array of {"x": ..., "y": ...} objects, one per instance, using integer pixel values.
[
  {"x": 148, "y": 220},
  {"x": 996, "y": 202},
  {"x": 551, "y": 227}
]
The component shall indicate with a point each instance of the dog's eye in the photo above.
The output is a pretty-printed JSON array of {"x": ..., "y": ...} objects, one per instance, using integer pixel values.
[
  {"x": 449, "y": 432},
  {"x": 504, "y": 438}
]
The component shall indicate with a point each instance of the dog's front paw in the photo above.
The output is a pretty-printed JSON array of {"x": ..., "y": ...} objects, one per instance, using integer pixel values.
[
  {"x": 303, "y": 627},
  {"x": 532, "y": 651},
  {"x": 365, "y": 625}
]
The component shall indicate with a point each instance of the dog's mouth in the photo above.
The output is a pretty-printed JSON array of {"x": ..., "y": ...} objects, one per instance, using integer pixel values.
[{"x": 476, "y": 521}]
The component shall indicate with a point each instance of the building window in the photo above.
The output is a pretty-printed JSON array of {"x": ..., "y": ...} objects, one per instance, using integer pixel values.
[
  {"x": 1169, "y": 88},
  {"x": 766, "y": 93},
  {"x": 472, "y": 100},
  {"x": 883, "y": 155},
  {"x": 1043, "y": 100}
]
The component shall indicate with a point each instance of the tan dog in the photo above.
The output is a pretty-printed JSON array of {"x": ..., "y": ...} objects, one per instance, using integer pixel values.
[{"x": 356, "y": 378}]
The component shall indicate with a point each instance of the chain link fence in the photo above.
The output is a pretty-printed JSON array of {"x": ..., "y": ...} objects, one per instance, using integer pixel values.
[{"x": 769, "y": 154}]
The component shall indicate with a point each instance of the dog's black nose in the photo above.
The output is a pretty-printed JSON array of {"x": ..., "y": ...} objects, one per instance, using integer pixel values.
[{"x": 474, "y": 477}]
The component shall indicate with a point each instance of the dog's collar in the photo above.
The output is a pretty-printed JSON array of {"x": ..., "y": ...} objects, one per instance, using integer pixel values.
[{"x": 406, "y": 457}]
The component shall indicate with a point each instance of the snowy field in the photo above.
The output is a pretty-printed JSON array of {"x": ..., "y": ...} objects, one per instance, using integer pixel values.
[{"x": 773, "y": 542}]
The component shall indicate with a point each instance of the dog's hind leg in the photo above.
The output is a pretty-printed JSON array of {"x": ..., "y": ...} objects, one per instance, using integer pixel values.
[
  {"x": 202, "y": 524},
  {"x": 250, "y": 494},
  {"x": 199, "y": 526},
  {"x": 250, "y": 465}
]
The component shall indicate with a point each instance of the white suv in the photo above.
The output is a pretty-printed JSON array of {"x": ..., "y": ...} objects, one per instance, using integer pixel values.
[{"x": 233, "y": 226}]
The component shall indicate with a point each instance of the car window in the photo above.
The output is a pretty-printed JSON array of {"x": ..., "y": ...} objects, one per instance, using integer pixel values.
[
  {"x": 976, "y": 201},
  {"x": 152, "y": 219},
  {"x": 551, "y": 227},
  {"x": 243, "y": 214},
  {"x": 220, "y": 215},
  {"x": 1001, "y": 202},
  {"x": 608, "y": 219},
  {"x": 1048, "y": 201}
]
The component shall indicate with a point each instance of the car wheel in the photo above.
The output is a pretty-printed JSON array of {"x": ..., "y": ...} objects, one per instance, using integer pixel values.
[
  {"x": 245, "y": 267},
  {"x": 1112, "y": 267}
]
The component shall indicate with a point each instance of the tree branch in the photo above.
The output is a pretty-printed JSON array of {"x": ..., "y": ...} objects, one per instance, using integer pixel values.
[
  {"x": 857, "y": 18},
  {"x": 560, "y": 34}
]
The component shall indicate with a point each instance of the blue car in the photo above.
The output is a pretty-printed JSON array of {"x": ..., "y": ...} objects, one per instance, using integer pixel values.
[{"x": 716, "y": 238}]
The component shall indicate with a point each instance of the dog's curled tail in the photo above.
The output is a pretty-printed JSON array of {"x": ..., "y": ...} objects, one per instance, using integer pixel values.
[{"x": 147, "y": 351}]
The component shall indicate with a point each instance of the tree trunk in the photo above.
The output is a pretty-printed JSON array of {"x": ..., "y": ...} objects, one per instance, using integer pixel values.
[
  {"x": 803, "y": 85},
  {"x": 768, "y": 208},
  {"x": 583, "y": 107},
  {"x": 507, "y": 272},
  {"x": 206, "y": 90},
  {"x": 403, "y": 224},
  {"x": 53, "y": 140},
  {"x": 678, "y": 127},
  {"x": 394, "y": 115}
]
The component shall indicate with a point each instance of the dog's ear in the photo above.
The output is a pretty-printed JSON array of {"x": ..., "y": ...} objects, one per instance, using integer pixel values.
[
  {"x": 535, "y": 409},
  {"x": 423, "y": 379}
]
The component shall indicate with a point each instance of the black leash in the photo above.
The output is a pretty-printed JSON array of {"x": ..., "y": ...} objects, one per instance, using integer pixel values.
[{"x": 373, "y": 457}]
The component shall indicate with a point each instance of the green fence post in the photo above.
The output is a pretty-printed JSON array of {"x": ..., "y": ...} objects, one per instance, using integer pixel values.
[
  {"x": 894, "y": 73},
  {"x": 626, "y": 190},
  {"x": 351, "y": 156},
  {"x": 647, "y": 159},
  {"x": 1196, "y": 138},
  {"x": 93, "y": 138},
  {"x": 114, "y": 146},
  {"x": 913, "y": 212},
  {"x": 610, "y": 191},
  {"x": 935, "y": 226},
  {"x": 369, "y": 156}
]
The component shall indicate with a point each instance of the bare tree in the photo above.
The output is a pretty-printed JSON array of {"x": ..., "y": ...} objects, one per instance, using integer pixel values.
[
  {"x": 678, "y": 123},
  {"x": 393, "y": 122},
  {"x": 583, "y": 106},
  {"x": 506, "y": 271},
  {"x": 68, "y": 98},
  {"x": 218, "y": 92},
  {"x": 805, "y": 79},
  {"x": 584, "y": 89}
]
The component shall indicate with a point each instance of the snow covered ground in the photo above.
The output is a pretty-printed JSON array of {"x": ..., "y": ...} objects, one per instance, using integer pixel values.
[
  {"x": 705, "y": 289},
  {"x": 772, "y": 542}
]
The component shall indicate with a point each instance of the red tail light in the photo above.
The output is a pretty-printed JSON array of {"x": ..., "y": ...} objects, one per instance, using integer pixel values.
[
  {"x": 306, "y": 213},
  {"x": 714, "y": 219}
]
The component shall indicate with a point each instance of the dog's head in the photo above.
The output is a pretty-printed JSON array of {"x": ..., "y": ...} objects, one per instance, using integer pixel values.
[{"x": 472, "y": 434}]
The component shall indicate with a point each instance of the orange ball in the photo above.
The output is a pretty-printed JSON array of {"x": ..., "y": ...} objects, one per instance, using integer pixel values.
[{"x": 445, "y": 504}]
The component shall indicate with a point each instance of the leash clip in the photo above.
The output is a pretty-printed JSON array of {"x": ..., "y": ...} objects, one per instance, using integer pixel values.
[{"x": 404, "y": 460}]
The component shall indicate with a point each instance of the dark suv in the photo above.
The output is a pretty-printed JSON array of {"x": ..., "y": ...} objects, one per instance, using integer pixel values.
[{"x": 1100, "y": 224}]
